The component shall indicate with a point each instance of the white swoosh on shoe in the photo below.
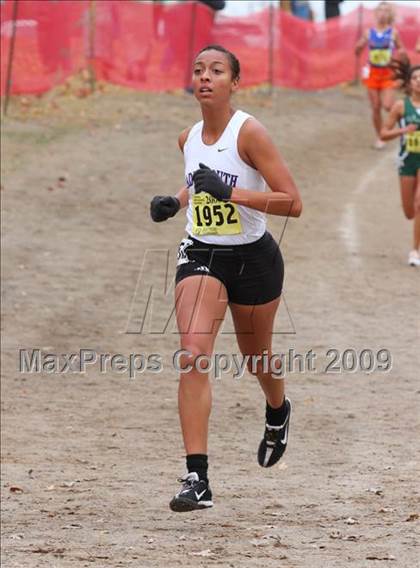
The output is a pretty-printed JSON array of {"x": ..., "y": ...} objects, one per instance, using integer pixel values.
[
  {"x": 284, "y": 439},
  {"x": 199, "y": 495},
  {"x": 267, "y": 457}
]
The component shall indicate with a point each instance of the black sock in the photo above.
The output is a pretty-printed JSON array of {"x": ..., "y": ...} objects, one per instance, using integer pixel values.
[
  {"x": 276, "y": 416},
  {"x": 199, "y": 464}
]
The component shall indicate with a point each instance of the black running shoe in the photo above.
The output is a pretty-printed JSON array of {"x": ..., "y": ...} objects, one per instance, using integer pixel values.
[
  {"x": 195, "y": 494},
  {"x": 274, "y": 443}
]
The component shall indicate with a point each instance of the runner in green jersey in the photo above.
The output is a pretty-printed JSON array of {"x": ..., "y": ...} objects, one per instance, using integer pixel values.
[
  {"x": 410, "y": 143},
  {"x": 407, "y": 113}
]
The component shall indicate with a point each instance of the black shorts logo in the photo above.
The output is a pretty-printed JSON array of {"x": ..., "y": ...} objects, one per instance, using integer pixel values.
[{"x": 182, "y": 257}]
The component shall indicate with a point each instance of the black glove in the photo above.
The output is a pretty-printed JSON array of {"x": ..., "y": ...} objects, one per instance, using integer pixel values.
[
  {"x": 207, "y": 180},
  {"x": 161, "y": 208}
]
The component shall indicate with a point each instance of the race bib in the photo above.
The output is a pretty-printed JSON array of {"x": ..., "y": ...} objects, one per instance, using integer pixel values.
[
  {"x": 413, "y": 142},
  {"x": 213, "y": 217},
  {"x": 380, "y": 57}
]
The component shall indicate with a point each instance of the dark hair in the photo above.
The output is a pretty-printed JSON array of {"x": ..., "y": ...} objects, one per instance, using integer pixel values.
[
  {"x": 403, "y": 71},
  {"x": 233, "y": 60}
]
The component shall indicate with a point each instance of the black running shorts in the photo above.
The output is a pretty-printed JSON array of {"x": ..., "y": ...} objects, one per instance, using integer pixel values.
[{"x": 252, "y": 273}]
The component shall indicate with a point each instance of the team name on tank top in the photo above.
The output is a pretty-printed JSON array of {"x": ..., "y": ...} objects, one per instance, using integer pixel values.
[{"x": 217, "y": 222}]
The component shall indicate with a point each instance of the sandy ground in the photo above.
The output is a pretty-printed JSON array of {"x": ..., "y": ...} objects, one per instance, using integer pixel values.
[{"x": 90, "y": 460}]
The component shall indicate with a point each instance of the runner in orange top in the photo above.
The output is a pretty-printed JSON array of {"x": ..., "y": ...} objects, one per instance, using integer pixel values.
[{"x": 382, "y": 40}]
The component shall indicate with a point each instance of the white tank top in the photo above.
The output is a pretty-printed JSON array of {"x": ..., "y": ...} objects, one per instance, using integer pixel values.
[{"x": 223, "y": 156}]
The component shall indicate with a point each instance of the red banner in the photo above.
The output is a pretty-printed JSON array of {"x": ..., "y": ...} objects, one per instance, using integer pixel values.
[{"x": 150, "y": 46}]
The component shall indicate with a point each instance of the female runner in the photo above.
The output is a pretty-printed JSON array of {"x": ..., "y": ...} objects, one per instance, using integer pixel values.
[
  {"x": 407, "y": 113},
  {"x": 227, "y": 259},
  {"x": 382, "y": 41}
]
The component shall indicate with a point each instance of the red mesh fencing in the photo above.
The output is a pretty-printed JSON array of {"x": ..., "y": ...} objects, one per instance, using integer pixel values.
[
  {"x": 49, "y": 45},
  {"x": 150, "y": 46}
]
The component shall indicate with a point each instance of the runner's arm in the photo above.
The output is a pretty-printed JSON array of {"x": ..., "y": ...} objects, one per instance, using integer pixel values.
[
  {"x": 182, "y": 138},
  {"x": 259, "y": 151},
  {"x": 399, "y": 45},
  {"x": 183, "y": 194},
  {"x": 361, "y": 43},
  {"x": 388, "y": 131}
]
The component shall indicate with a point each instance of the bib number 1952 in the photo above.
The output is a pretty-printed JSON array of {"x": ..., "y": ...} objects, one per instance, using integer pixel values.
[{"x": 213, "y": 217}]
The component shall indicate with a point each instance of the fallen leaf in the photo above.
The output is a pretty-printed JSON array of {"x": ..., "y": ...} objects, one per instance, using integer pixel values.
[
  {"x": 61, "y": 180},
  {"x": 202, "y": 553},
  {"x": 384, "y": 557},
  {"x": 263, "y": 541},
  {"x": 91, "y": 558},
  {"x": 47, "y": 550},
  {"x": 376, "y": 490},
  {"x": 82, "y": 93}
]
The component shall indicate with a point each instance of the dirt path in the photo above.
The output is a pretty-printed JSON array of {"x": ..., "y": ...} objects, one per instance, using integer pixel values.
[{"x": 94, "y": 457}]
